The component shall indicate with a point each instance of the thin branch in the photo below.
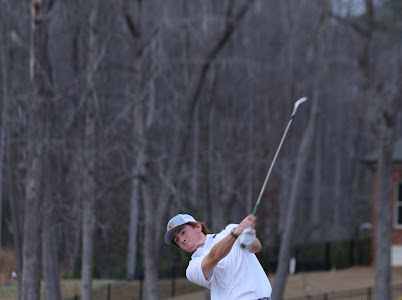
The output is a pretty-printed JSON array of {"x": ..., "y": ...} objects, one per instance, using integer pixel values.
[{"x": 353, "y": 24}]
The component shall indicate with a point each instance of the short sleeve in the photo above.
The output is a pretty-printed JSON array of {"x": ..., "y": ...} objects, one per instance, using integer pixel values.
[{"x": 195, "y": 275}]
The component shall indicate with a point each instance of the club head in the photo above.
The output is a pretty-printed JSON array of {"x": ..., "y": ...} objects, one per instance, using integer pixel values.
[{"x": 297, "y": 103}]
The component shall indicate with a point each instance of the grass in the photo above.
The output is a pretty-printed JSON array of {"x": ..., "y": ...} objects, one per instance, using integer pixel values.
[
  {"x": 120, "y": 289},
  {"x": 7, "y": 264},
  {"x": 8, "y": 291},
  {"x": 70, "y": 288}
]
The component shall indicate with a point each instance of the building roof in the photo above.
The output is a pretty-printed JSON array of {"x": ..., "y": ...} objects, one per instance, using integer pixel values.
[{"x": 396, "y": 155}]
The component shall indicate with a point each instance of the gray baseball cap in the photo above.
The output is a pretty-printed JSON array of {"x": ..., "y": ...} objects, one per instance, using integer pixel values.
[{"x": 175, "y": 222}]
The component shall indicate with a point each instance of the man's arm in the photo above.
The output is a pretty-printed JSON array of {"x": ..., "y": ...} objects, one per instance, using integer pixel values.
[
  {"x": 219, "y": 251},
  {"x": 223, "y": 247}
]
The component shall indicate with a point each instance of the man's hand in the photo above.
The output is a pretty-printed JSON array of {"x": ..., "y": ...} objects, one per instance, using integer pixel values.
[
  {"x": 248, "y": 222},
  {"x": 247, "y": 237}
]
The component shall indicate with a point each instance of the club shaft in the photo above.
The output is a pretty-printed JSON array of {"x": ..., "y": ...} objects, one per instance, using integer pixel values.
[
  {"x": 296, "y": 105},
  {"x": 272, "y": 165}
]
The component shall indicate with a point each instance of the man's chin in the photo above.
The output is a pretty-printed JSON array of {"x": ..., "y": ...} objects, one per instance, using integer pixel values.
[{"x": 190, "y": 249}]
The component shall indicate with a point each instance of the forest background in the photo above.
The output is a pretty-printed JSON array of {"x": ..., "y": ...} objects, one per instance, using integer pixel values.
[{"x": 116, "y": 115}]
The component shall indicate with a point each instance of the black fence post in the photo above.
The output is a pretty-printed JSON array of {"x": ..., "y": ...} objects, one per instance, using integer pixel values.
[
  {"x": 352, "y": 253},
  {"x": 108, "y": 297},
  {"x": 369, "y": 293},
  {"x": 328, "y": 255}
]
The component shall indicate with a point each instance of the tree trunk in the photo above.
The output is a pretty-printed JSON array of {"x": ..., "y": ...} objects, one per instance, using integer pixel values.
[
  {"x": 16, "y": 203},
  {"x": 40, "y": 93},
  {"x": 286, "y": 245},
  {"x": 89, "y": 184},
  {"x": 383, "y": 221},
  {"x": 151, "y": 253},
  {"x": 142, "y": 115},
  {"x": 195, "y": 160},
  {"x": 337, "y": 192},
  {"x": 139, "y": 150},
  {"x": 4, "y": 116},
  {"x": 383, "y": 226},
  {"x": 88, "y": 213},
  {"x": 250, "y": 156},
  {"x": 133, "y": 228},
  {"x": 316, "y": 201},
  {"x": 49, "y": 240},
  {"x": 16, "y": 207},
  {"x": 50, "y": 226}
]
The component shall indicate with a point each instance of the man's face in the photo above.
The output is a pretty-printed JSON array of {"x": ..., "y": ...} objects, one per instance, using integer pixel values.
[{"x": 189, "y": 238}]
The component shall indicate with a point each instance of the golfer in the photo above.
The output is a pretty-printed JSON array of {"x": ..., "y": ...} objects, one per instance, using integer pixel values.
[{"x": 225, "y": 262}]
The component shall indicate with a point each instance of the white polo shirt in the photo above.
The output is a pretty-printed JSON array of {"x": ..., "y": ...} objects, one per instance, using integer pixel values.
[{"x": 238, "y": 276}]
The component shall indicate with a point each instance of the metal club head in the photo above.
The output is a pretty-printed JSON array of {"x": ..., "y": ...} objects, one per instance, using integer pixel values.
[{"x": 297, "y": 103}]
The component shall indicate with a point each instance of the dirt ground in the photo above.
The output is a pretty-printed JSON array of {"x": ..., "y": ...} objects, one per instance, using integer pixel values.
[{"x": 302, "y": 284}]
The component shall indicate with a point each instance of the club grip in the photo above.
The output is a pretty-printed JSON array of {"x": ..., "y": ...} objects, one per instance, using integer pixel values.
[{"x": 255, "y": 209}]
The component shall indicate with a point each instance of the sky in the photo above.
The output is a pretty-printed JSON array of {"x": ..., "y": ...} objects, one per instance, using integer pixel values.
[{"x": 350, "y": 7}]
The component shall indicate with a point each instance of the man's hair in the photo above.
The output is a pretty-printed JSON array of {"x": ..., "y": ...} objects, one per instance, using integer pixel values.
[{"x": 205, "y": 230}]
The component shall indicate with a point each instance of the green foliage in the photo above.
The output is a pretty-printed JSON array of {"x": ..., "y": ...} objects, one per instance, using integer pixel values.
[
  {"x": 78, "y": 264},
  {"x": 122, "y": 272},
  {"x": 96, "y": 267},
  {"x": 340, "y": 255},
  {"x": 77, "y": 267},
  {"x": 173, "y": 262}
]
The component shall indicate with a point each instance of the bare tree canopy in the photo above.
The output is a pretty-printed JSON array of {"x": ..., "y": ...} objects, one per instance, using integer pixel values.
[{"x": 118, "y": 114}]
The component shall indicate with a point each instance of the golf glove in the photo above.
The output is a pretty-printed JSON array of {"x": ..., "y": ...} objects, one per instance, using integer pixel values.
[{"x": 247, "y": 238}]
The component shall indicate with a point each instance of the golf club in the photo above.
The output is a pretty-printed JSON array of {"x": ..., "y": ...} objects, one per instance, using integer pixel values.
[{"x": 296, "y": 105}]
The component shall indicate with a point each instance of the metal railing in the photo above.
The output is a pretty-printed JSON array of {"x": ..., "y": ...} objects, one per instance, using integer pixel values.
[
  {"x": 132, "y": 290},
  {"x": 311, "y": 257},
  {"x": 124, "y": 291},
  {"x": 357, "y": 294}
]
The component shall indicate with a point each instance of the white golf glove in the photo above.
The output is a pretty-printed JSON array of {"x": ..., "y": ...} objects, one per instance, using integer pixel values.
[{"x": 247, "y": 238}]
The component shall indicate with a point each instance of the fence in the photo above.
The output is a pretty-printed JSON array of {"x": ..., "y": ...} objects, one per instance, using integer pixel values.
[
  {"x": 358, "y": 294},
  {"x": 132, "y": 290},
  {"x": 123, "y": 291},
  {"x": 311, "y": 257},
  {"x": 322, "y": 256}
]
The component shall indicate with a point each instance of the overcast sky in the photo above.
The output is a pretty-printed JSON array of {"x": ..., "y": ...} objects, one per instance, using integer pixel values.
[{"x": 350, "y": 7}]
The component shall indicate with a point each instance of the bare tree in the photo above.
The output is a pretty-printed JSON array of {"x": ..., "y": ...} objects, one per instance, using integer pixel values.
[
  {"x": 383, "y": 208},
  {"x": 89, "y": 182},
  {"x": 155, "y": 207},
  {"x": 4, "y": 116},
  {"x": 285, "y": 248},
  {"x": 364, "y": 27},
  {"x": 390, "y": 105},
  {"x": 50, "y": 244},
  {"x": 40, "y": 93},
  {"x": 11, "y": 178},
  {"x": 141, "y": 112},
  {"x": 195, "y": 94}
]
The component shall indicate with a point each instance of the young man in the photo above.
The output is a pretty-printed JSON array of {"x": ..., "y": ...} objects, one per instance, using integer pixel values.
[{"x": 225, "y": 262}]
